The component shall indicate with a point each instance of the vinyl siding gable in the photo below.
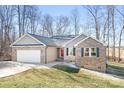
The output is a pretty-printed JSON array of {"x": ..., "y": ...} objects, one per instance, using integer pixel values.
[{"x": 27, "y": 41}]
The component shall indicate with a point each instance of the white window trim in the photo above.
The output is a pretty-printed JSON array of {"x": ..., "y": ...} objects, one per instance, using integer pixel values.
[
  {"x": 69, "y": 49},
  {"x": 89, "y": 52}
]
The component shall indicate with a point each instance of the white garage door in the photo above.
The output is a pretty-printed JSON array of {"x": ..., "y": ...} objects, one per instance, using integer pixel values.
[{"x": 31, "y": 56}]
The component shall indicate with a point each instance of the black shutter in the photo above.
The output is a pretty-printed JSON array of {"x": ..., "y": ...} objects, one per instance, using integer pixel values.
[
  {"x": 97, "y": 51},
  {"x": 82, "y": 52},
  {"x": 73, "y": 51},
  {"x": 67, "y": 51}
]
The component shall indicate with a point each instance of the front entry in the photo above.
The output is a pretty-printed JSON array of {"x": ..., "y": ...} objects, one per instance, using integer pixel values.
[{"x": 60, "y": 53}]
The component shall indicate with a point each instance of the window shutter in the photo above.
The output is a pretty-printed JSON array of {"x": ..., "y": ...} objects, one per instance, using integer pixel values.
[
  {"x": 82, "y": 52},
  {"x": 67, "y": 51},
  {"x": 97, "y": 51},
  {"x": 73, "y": 51}
]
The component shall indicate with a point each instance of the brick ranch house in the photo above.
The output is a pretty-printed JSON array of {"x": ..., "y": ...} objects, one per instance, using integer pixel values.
[{"x": 85, "y": 51}]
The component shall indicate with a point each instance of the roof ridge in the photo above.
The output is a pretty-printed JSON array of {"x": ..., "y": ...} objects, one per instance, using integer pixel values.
[
  {"x": 75, "y": 38},
  {"x": 38, "y": 35}
]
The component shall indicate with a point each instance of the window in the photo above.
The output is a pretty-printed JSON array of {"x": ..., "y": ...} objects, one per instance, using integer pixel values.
[
  {"x": 73, "y": 51},
  {"x": 86, "y": 52},
  {"x": 93, "y": 51},
  {"x": 70, "y": 51}
]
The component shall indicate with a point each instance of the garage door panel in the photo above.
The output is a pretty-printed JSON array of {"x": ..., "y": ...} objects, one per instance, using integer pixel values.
[{"x": 32, "y": 56}]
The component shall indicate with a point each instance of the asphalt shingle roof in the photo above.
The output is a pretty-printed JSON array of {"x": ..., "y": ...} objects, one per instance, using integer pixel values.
[
  {"x": 57, "y": 41},
  {"x": 45, "y": 40},
  {"x": 76, "y": 40}
]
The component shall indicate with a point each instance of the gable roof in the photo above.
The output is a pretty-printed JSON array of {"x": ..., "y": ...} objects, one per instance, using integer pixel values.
[
  {"x": 15, "y": 43},
  {"x": 86, "y": 39},
  {"x": 75, "y": 40}
]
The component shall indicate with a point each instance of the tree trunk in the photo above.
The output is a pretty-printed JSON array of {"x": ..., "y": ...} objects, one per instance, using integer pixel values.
[
  {"x": 19, "y": 20},
  {"x": 23, "y": 20},
  {"x": 113, "y": 28},
  {"x": 119, "y": 48},
  {"x": 108, "y": 29}
]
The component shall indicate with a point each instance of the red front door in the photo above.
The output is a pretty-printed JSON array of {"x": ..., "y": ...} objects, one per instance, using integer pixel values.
[{"x": 62, "y": 52}]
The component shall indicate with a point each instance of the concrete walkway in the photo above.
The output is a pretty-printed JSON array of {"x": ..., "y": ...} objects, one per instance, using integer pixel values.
[
  {"x": 99, "y": 74},
  {"x": 104, "y": 75}
]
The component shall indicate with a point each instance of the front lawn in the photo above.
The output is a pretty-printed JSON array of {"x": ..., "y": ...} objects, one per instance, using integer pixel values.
[
  {"x": 115, "y": 68},
  {"x": 56, "y": 78},
  {"x": 117, "y": 65}
]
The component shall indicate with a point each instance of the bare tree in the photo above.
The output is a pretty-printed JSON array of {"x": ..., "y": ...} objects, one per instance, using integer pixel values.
[
  {"x": 27, "y": 18},
  {"x": 121, "y": 32},
  {"x": 6, "y": 16},
  {"x": 75, "y": 19},
  {"x": 61, "y": 23},
  {"x": 1, "y": 30},
  {"x": 108, "y": 26},
  {"x": 113, "y": 30},
  {"x": 94, "y": 11},
  {"x": 22, "y": 18},
  {"x": 19, "y": 19},
  {"x": 33, "y": 18},
  {"x": 104, "y": 30},
  {"x": 47, "y": 25}
]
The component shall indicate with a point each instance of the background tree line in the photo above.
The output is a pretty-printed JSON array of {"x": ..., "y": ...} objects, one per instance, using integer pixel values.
[{"x": 105, "y": 23}]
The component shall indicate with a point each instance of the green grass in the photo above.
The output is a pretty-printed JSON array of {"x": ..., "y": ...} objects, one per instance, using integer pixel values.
[
  {"x": 56, "y": 78},
  {"x": 115, "y": 68},
  {"x": 116, "y": 65}
]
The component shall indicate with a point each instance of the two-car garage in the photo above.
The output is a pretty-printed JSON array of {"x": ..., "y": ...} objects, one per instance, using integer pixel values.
[{"x": 30, "y": 56}]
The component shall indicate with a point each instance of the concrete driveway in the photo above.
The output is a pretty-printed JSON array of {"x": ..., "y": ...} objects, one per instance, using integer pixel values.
[
  {"x": 8, "y": 68},
  {"x": 11, "y": 68}
]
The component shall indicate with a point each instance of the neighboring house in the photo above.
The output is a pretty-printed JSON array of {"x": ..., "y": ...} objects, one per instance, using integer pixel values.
[{"x": 85, "y": 51}]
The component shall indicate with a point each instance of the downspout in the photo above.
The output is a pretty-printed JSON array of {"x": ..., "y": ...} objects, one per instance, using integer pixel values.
[{"x": 46, "y": 55}]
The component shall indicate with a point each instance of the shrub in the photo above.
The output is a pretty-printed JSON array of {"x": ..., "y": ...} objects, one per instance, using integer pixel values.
[{"x": 67, "y": 68}]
